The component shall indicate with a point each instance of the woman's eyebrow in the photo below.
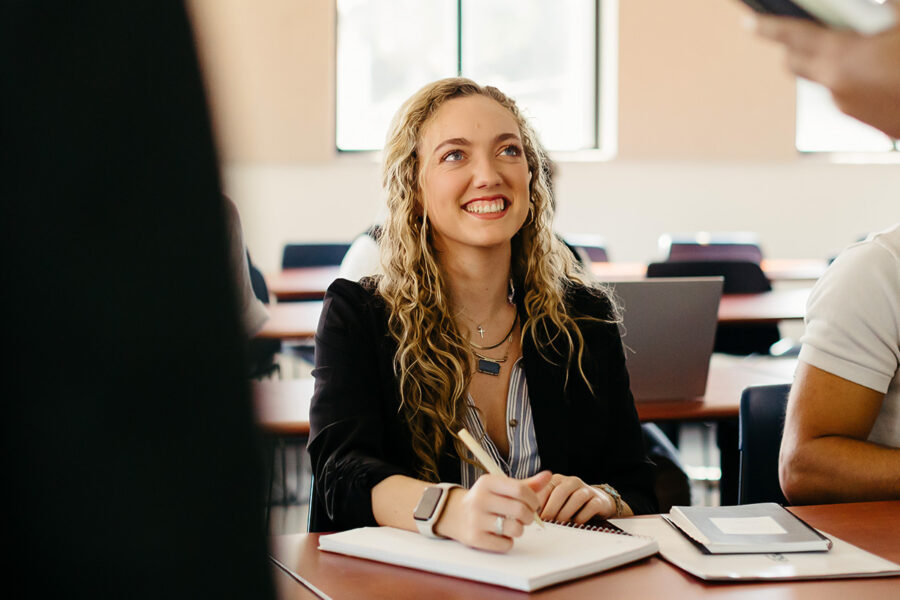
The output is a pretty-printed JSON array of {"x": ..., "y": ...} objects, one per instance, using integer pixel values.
[
  {"x": 506, "y": 136},
  {"x": 452, "y": 142},
  {"x": 464, "y": 142}
]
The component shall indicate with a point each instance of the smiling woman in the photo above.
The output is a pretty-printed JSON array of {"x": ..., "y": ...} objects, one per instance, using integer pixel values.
[{"x": 483, "y": 321}]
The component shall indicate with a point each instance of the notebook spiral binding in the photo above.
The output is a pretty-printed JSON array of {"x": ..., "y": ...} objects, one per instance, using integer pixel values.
[{"x": 606, "y": 527}]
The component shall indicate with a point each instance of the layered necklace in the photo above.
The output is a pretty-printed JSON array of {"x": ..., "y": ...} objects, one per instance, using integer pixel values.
[
  {"x": 491, "y": 366},
  {"x": 486, "y": 364}
]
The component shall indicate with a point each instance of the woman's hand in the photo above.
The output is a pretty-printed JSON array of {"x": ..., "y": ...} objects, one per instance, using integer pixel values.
[
  {"x": 494, "y": 512},
  {"x": 569, "y": 499}
]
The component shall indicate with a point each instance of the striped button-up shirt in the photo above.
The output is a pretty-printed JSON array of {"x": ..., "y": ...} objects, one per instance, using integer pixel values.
[{"x": 523, "y": 460}]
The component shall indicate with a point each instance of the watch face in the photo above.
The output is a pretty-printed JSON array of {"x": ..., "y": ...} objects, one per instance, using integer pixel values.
[{"x": 427, "y": 503}]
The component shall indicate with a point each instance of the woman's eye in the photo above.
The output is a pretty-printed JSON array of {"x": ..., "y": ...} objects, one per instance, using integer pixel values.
[
  {"x": 452, "y": 156},
  {"x": 512, "y": 150}
]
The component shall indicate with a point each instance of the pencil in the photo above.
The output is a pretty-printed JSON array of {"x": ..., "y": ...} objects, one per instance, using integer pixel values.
[{"x": 487, "y": 463}]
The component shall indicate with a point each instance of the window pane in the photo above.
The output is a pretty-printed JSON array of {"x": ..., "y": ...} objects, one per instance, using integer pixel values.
[
  {"x": 542, "y": 54},
  {"x": 385, "y": 52},
  {"x": 822, "y": 127}
]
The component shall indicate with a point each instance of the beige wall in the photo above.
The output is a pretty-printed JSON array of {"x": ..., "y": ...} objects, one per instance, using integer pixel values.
[
  {"x": 269, "y": 68},
  {"x": 693, "y": 83},
  {"x": 706, "y": 122}
]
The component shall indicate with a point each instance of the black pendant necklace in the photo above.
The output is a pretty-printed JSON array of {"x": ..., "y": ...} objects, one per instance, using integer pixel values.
[{"x": 489, "y": 366}]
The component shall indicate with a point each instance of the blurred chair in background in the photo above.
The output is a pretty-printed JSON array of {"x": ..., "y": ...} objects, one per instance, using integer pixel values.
[
  {"x": 262, "y": 353},
  {"x": 761, "y": 428},
  {"x": 590, "y": 245},
  {"x": 313, "y": 255},
  {"x": 310, "y": 255},
  {"x": 705, "y": 246}
]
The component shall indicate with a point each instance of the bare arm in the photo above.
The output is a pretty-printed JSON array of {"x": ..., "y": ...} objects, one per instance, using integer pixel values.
[
  {"x": 862, "y": 72},
  {"x": 824, "y": 453}
]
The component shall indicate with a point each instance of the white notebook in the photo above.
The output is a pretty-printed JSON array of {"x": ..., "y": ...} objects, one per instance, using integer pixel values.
[
  {"x": 539, "y": 558},
  {"x": 843, "y": 560}
]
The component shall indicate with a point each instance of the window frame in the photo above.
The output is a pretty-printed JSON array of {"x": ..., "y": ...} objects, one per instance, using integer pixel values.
[{"x": 605, "y": 86}]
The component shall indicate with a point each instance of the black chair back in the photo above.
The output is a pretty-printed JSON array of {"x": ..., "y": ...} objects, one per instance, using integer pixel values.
[
  {"x": 590, "y": 245},
  {"x": 761, "y": 428},
  {"x": 741, "y": 277},
  {"x": 258, "y": 282},
  {"x": 313, "y": 255}
]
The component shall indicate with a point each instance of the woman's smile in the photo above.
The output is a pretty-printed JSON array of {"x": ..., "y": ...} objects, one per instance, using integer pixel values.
[{"x": 489, "y": 207}]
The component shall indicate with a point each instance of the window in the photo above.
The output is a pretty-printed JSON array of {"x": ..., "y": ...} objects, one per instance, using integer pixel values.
[
  {"x": 822, "y": 127},
  {"x": 543, "y": 54}
]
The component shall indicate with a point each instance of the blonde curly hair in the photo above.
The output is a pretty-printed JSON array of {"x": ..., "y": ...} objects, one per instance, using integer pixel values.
[{"x": 433, "y": 359}]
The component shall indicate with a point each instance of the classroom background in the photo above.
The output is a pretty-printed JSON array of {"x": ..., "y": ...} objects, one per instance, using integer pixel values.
[{"x": 704, "y": 123}]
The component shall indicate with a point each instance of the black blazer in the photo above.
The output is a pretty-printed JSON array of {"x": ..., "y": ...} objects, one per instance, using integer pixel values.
[{"x": 358, "y": 438}]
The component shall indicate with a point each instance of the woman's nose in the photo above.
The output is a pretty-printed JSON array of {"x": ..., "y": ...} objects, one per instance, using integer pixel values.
[{"x": 486, "y": 173}]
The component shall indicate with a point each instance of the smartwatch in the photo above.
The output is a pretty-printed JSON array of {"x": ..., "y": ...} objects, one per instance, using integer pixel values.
[{"x": 431, "y": 506}]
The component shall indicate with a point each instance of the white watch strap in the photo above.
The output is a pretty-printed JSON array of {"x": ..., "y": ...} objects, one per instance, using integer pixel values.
[{"x": 426, "y": 527}]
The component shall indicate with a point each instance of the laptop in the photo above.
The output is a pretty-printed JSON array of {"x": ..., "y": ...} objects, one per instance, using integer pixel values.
[{"x": 668, "y": 330}]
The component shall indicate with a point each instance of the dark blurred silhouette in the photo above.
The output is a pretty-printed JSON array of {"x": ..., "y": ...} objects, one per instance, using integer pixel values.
[{"x": 130, "y": 462}]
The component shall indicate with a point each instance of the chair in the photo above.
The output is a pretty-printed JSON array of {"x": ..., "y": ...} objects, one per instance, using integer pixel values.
[
  {"x": 261, "y": 353},
  {"x": 736, "y": 246},
  {"x": 310, "y": 255},
  {"x": 313, "y": 255},
  {"x": 741, "y": 277},
  {"x": 761, "y": 428},
  {"x": 670, "y": 481},
  {"x": 590, "y": 245}
]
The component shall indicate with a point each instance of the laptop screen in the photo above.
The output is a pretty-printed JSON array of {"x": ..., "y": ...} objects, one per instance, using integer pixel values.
[{"x": 668, "y": 330}]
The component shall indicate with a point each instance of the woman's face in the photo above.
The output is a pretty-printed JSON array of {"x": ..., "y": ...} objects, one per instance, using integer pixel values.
[{"x": 474, "y": 174}]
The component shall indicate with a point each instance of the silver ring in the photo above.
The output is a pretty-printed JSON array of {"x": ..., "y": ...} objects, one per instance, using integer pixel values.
[{"x": 498, "y": 525}]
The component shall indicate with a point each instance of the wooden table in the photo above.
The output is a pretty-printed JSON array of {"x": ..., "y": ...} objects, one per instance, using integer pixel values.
[
  {"x": 307, "y": 283},
  {"x": 298, "y": 320},
  {"x": 310, "y": 283},
  {"x": 282, "y": 405},
  {"x": 873, "y": 526},
  {"x": 765, "y": 307},
  {"x": 291, "y": 320}
]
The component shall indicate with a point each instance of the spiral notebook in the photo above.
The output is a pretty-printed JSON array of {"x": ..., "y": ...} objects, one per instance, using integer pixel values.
[{"x": 541, "y": 557}]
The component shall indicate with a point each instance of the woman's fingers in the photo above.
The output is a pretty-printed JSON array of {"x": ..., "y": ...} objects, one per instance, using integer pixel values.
[
  {"x": 570, "y": 499},
  {"x": 517, "y": 489},
  {"x": 497, "y": 509},
  {"x": 562, "y": 489}
]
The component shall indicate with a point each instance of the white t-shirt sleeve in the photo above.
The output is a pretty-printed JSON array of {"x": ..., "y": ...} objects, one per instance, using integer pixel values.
[{"x": 853, "y": 317}]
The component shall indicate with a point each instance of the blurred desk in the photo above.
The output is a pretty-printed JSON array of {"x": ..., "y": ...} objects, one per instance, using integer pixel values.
[
  {"x": 298, "y": 320},
  {"x": 728, "y": 376},
  {"x": 776, "y": 269},
  {"x": 291, "y": 320},
  {"x": 872, "y": 526},
  {"x": 310, "y": 283},
  {"x": 307, "y": 283},
  {"x": 282, "y": 405},
  {"x": 765, "y": 307}
]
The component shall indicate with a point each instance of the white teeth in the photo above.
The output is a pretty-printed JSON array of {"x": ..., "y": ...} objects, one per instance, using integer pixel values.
[{"x": 486, "y": 206}]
